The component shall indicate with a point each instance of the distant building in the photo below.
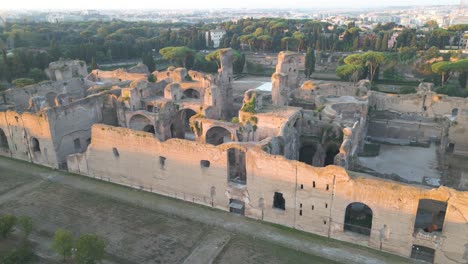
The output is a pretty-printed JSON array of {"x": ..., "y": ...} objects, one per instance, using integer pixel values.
[
  {"x": 216, "y": 36},
  {"x": 392, "y": 40}
]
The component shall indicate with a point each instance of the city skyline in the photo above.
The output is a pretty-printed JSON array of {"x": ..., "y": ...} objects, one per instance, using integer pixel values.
[{"x": 205, "y": 4}]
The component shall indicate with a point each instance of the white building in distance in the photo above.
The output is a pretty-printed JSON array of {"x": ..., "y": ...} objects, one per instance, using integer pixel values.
[{"x": 216, "y": 36}]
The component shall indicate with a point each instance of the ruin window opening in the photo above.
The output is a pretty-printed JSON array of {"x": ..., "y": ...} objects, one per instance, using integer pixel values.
[
  {"x": 150, "y": 108},
  {"x": 324, "y": 222},
  {"x": 332, "y": 150},
  {"x": 236, "y": 206},
  {"x": 300, "y": 205},
  {"x": 3, "y": 140},
  {"x": 454, "y": 112},
  {"x": 302, "y": 186},
  {"x": 450, "y": 148},
  {"x": 278, "y": 201},
  {"x": 358, "y": 219},
  {"x": 116, "y": 152},
  {"x": 300, "y": 212},
  {"x": 149, "y": 129},
  {"x": 237, "y": 172},
  {"x": 173, "y": 131},
  {"x": 423, "y": 253},
  {"x": 328, "y": 187},
  {"x": 191, "y": 93},
  {"x": 204, "y": 163},
  {"x": 313, "y": 184},
  {"x": 162, "y": 162},
  {"x": 312, "y": 207},
  {"x": 77, "y": 144},
  {"x": 306, "y": 153},
  {"x": 218, "y": 135},
  {"x": 430, "y": 216},
  {"x": 326, "y": 205},
  {"x": 184, "y": 130},
  {"x": 35, "y": 145}
]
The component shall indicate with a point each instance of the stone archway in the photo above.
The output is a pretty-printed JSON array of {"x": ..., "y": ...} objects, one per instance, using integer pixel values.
[
  {"x": 331, "y": 151},
  {"x": 358, "y": 219},
  {"x": 183, "y": 127},
  {"x": 192, "y": 93},
  {"x": 3, "y": 140},
  {"x": 218, "y": 135},
  {"x": 140, "y": 122}
]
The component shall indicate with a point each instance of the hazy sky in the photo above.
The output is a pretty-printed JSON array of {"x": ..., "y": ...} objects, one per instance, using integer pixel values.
[{"x": 203, "y": 4}]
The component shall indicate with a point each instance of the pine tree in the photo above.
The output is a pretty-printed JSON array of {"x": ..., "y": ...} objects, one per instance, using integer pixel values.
[
  {"x": 309, "y": 62},
  {"x": 384, "y": 46},
  {"x": 149, "y": 62},
  {"x": 93, "y": 64},
  {"x": 378, "y": 43}
]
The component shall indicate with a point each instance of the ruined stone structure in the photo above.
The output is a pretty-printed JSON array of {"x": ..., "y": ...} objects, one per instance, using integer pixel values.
[
  {"x": 66, "y": 69},
  {"x": 288, "y": 156}
]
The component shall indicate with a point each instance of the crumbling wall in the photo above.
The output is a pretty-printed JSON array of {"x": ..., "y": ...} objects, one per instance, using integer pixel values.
[
  {"x": 314, "y": 199},
  {"x": 20, "y": 97},
  {"x": 119, "y": 75},
  {"x": 71, "y": 125},
  {"x": 29, "y": 137},
  {"x": 176, "y": 75},
  {"x": 66, "y": 69}
]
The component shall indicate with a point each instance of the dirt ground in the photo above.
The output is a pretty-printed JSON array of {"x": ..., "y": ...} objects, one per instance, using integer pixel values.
[
  {"x": 141, "y": 227},
  {"x": 414, "y": 163}
]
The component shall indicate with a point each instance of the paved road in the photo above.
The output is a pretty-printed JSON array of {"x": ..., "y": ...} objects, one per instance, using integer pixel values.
[{"x": 308, "y": 243}]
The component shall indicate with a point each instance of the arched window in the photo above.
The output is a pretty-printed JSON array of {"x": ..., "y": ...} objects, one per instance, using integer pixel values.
[
  {"x": 3, "y": 140},
  {"x": 35, "y": 145},
  {"x": 218, "y": 135},
  {"x": 358, "y": 219}
]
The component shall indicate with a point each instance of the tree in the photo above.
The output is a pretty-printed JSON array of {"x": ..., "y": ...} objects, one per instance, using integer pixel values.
[
  {"x": 26, "y": 225},
  {"x": 373, "y": 60},
  {"x": 442, "y": 69},
  {"x": 63, "y": 243},
  {"x": 309, "y": 62},
  {"x": 148, "y": 60},
  {"x": 285, "y": 42},
  {"x": 151, "y": 78},
  {"x": 89, "y": 249},
  {"x": 350, "y": 72},
  {"x": 432, "y": 52},
  {"x": 384, "y": 42},
  {"x": 94, "y": 65},
  {"x": 177, "y": 55},
  {"x": 7, "y": 222}
]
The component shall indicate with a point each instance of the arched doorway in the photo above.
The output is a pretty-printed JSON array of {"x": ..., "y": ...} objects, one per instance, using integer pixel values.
[
  {"x": 149, "y": 128},
  {"x": 183, "y": 117},
  {"x": 141, "y": 122},
  {"x": 332, "y": 150},
  {"x": 3, "y": 141},
  {"x": 358, "y": 219},
  {"x": 191, "y": 93},
  {"x": 306, "y": 153},
  {"x": 218, "y": 135},
  {"x": 35, "y": 146}
]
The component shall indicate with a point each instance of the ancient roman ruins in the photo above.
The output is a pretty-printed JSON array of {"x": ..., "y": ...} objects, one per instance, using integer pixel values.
[{"x": 288, "y": 155}]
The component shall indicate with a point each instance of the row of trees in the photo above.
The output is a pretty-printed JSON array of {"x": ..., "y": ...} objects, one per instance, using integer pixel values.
[
  {"x": 190, "y": 59},
  {"x": 34, "y": 45},
  {"x": 86, "y": 249}
]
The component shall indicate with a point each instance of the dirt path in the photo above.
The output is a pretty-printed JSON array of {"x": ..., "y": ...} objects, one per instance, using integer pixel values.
[
  {"x": 308, "y": 243},
  {"x": 208, "y": 248}
]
